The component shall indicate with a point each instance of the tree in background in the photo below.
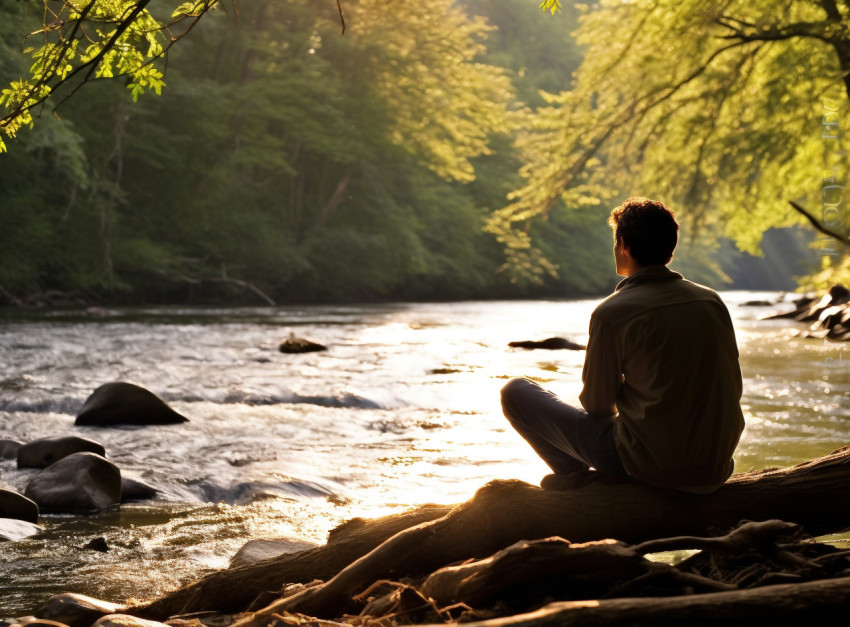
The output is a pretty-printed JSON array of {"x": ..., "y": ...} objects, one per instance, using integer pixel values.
[
  {"x": 283, "y": 157},
  {"x": 727, "y": 110}
]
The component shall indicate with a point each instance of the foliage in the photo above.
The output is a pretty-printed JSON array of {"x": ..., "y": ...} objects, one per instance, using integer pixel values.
[
  {"x": 537, "y": 50},
  {"x": 551, "y": 5},
  {"x": 288, "y": 162},
  {"x": 721, "y": 109},
  {"x": 286, "y": 158},
  {"x": 82, "y": 40}
]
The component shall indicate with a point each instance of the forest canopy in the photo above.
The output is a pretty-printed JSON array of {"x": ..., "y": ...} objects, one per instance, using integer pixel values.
[{"x": 459, "y": 149}]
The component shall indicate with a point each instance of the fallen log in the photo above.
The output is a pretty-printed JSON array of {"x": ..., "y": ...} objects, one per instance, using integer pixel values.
[
  {"x": 812, "y": 603},
  {"x": 811, "y": 494}
]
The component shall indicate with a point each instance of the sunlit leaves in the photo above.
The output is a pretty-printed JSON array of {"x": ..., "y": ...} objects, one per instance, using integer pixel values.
[
  {"x": 193, "y": 9},
  {"x": 441, "y": 104},
  {"x": 90, "y": 39},
  {"x": 146, "y": 77},
  {"x": 553, "y": 6},
  {"x": 714, "y": 107}
]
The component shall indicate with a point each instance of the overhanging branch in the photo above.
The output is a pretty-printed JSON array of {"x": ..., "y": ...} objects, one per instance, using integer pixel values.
[{"x": 818, "y": 225}]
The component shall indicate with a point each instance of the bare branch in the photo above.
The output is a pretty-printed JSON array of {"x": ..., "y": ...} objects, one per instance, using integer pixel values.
[
  {"x": 814, "y": 30},
  {"x": 341, "y": 16},
  {"x": 817, "y": 225},
  {"x": 53, "y": 81}
]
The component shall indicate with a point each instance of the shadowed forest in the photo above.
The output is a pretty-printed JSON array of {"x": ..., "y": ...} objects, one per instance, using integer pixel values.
[{"x": 443, "y": 150}]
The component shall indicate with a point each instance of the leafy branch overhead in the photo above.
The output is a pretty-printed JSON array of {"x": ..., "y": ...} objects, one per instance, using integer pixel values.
[
  {"x": 83, "y": 40},
  {"x": 718, "y": 108}
]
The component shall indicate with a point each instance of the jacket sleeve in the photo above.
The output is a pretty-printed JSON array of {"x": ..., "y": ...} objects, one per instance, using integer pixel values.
[{"x": 602, "y": 375}]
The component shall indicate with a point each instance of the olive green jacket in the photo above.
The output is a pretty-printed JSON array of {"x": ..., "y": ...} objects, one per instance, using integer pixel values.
[{"x": 662, "y": 357}]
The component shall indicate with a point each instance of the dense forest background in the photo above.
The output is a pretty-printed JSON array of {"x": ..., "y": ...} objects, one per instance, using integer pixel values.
[{"x": 288, "y": 162}]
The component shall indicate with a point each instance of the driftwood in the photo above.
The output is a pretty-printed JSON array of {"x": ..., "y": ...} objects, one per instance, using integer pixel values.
[
  {"x": 48, "y": 298},
  {"x": 552, "y": 566},
  {"x": 812, "y": 603},
  {"x": 529, "y": 575},
  {"x": 224, "y": 278},
  {"x": 812, "y": 495},
  {"x": 592, "y": 570}
]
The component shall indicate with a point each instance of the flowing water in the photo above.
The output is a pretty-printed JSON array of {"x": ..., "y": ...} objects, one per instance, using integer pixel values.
[{"x": 401, "y": 410}]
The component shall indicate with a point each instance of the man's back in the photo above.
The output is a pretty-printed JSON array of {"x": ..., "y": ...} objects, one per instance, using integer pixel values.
[{"x": 662, "y": 353}]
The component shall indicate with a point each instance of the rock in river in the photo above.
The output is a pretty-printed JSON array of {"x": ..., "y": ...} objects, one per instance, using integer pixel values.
[
  {"x": 14, "y": 530},
  {"x": 43, "y": 452},
  {"x": 261, "y": 549},
  {"x": 550, "y": 343},
  {"x": 121, "y": 403},
  {"x": 136, "y": 490},
  {"x": 17, "y": 506},
  {"x": 82, "y": 482},
  {"x": 300, "y": 345},
  {"x": 9, "y": 449}
]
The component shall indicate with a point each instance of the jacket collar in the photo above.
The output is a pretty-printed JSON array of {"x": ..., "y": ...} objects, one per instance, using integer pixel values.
[{"x": 649, "y": 274}]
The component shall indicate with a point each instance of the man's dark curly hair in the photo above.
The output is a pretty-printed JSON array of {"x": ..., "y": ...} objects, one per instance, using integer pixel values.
[{"x": 648, "y": 228}]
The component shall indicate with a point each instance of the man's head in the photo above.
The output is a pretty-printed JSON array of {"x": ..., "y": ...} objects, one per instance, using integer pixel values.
[{"x": 645, "y": 231}]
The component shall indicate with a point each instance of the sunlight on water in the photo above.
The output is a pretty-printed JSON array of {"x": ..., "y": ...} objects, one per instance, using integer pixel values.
[{"x": 796, "y": 393}]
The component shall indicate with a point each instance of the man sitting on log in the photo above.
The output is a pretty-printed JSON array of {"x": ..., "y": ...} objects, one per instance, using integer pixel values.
[{"x": 662, "y": 383}]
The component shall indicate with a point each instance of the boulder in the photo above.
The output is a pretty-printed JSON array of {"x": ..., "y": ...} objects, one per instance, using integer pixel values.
[
  {"x": 43, "y": 452},
  {"x": 82, "y": 482},
  {"x": 300, "y": 345},
  {"x": 255, "y": 551},
  {"x": 75, "y": 610},
  {"x": 17, "y": 506},
  {"x": 121, "y": 403},
  {"x": 14, "y": 530},
  {"x": 9, "y": 449},
  {"x": 135, "y": 490}
]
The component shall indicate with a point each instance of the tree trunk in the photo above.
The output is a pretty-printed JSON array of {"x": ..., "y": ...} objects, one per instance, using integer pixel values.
[{"x": 812, "y": 494}]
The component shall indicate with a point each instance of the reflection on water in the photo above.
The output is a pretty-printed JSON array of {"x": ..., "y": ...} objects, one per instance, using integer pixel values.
[
  {"x": 796, "y": 396},
  {"x": 401, "y": 410}
]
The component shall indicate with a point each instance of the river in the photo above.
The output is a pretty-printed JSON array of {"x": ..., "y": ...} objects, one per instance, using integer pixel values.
[{"x": 401, "y": 410}]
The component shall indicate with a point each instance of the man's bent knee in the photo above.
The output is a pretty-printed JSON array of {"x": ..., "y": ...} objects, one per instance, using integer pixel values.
[
  {"x": 513, "y": 389},
  {"x": 515, "y": 394}
]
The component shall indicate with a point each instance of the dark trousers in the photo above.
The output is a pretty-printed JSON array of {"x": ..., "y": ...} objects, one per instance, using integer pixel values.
[{"x": 565, "y": 437}]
